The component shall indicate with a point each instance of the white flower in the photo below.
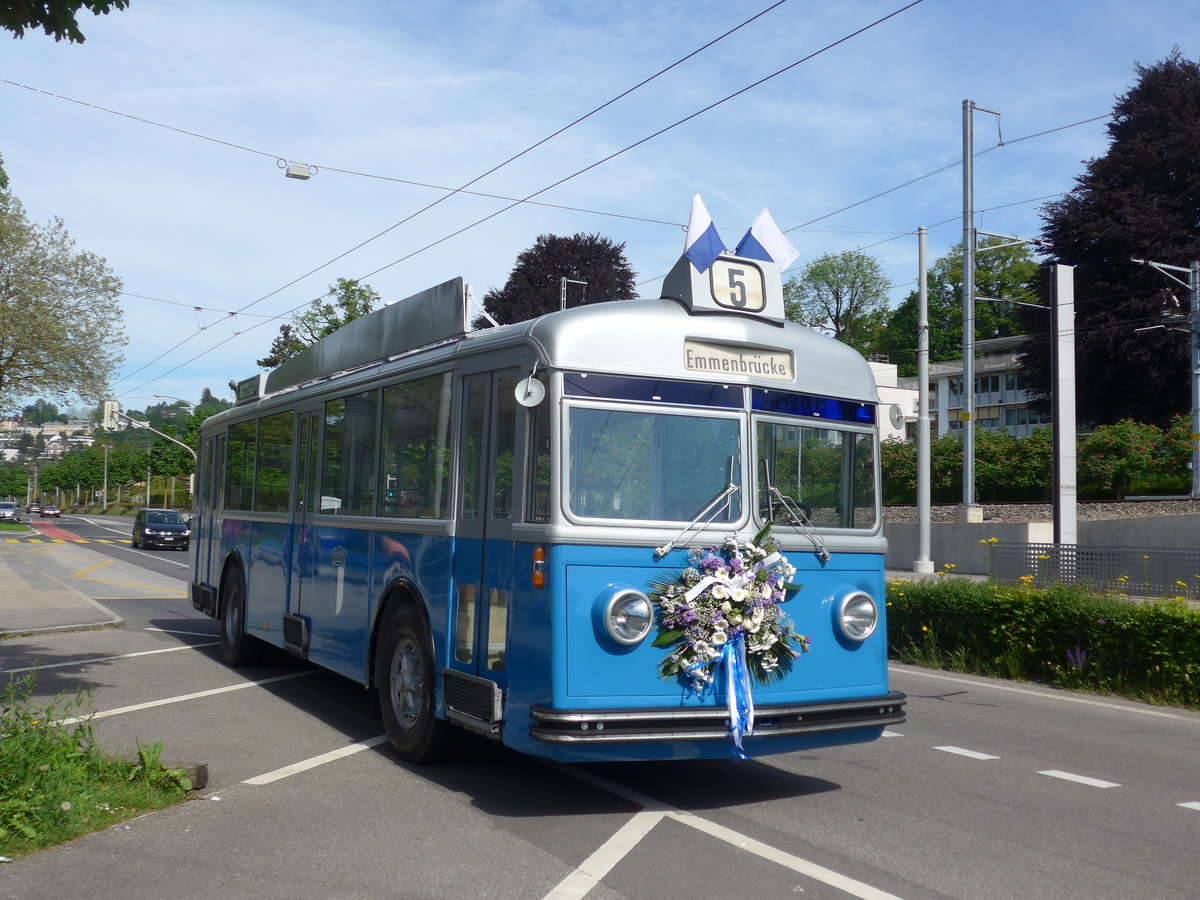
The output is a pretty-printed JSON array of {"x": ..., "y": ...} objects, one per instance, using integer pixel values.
[
  {"x": 718, "y": 638},
  {"x": 726, "y": 607},
  {"x": 719, "y": 592},
  {"x": 740, "y": 595}
]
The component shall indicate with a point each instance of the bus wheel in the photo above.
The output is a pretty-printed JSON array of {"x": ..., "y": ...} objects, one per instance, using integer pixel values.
[
  {"x": 237, "y": 647},
  {"x": 405, "y": 677}
]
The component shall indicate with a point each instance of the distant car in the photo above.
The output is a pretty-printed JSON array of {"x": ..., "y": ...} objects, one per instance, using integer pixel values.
[
  {"x": 50, "y": 511},
  {"x": 160, "y": 528},
  {"x": 9, "y": 512},
  {"x": 33, "y": 508}
]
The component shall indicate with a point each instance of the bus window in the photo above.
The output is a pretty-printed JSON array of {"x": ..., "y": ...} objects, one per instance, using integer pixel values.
[
  {"x": 239, "y": 486},
  {"x": 474, "y": 477},
  {"x": 654, "y": 466},
  {"x": 347, "y": 483},
  {"x": 273, "y": 473},
  {"x": 829, "y": 471},
  {"x": 506, "y": 446},
  {"x": 537, "y": 501},
  {"x": 414, "y": 478}
]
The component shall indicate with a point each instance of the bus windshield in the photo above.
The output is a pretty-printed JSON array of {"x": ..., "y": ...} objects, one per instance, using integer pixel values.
[
  {"x": 653, "y": 466},
  {"x": 827, "y": 472}
]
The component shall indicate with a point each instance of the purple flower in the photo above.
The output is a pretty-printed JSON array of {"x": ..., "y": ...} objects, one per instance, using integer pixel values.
[
  {"x": 1102, "y": 621},
  {"x": 1077, "y": 658}
]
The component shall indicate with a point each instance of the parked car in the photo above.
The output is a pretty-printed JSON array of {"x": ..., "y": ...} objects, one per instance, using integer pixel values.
[
  {"x": 9, "y": 512},
  {"x": 160, "y": 528},
  {"x": 50, "y": 511},
  {"x": 33, "y": 508}
]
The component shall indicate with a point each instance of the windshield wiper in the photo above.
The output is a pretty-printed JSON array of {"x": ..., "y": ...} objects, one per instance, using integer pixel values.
[
  {"x": 794, "y": 509},
  {"x": 718, "y": 505}
]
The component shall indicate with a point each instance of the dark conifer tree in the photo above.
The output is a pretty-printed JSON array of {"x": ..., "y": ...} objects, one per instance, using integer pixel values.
[
  {"x": 535, "y": 284},
  {"x": 1140, "y": 200}
]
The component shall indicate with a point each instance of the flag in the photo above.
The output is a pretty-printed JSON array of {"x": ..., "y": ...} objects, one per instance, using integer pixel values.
[
  {"x": 764, "y": 240},
  {"x": 703, "y": 244}
]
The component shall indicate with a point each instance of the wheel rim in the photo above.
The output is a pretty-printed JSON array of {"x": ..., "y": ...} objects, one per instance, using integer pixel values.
[
  {"x": 406, "y": 682},
  {"x": 232, "y": 620}
]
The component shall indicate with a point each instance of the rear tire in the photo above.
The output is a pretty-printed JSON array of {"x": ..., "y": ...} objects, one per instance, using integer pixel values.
[
  {"x": 405, "y": 678},
  {"x": 237, "y": 647}
]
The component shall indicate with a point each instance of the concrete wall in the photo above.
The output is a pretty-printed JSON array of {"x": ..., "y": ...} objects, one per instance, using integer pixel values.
[{"x": 960, "y": 542}]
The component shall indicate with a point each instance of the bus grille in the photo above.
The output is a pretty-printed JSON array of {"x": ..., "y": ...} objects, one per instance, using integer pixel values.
[{"x": 472, "y": 702}]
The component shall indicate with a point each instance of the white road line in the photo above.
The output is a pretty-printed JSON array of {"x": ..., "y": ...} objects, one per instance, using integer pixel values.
[
  {"x": 593, "y": 869},
  {"x": 1190, "y": 805},
  {"x": 1049, "y": 695},
  {"x": 972, "y": 754},
  {"x": 312, "y": 762},
  {"x": 176, "y": 631},
  {"x": 101, "y": 659},
  {"x": 198, "y": 695},
  {"x": 887, "y": 733},
  {"x": 1080, "y": 779},
  {"x": 736, "y": 839}
]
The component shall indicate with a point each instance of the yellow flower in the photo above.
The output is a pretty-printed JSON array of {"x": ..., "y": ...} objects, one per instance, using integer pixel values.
[
  {"x": 1043, "y": 556},
  {"x": 924, "y": 627}
]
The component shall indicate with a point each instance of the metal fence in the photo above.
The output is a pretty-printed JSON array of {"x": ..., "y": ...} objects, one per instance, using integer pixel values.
[{"x": 1134, "y": 571}]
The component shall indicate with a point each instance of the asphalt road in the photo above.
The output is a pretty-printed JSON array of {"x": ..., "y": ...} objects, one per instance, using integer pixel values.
[{"x": 991, "y": 789}]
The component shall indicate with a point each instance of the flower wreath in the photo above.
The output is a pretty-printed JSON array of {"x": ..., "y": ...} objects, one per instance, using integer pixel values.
[{"x": 729, "y": 595}]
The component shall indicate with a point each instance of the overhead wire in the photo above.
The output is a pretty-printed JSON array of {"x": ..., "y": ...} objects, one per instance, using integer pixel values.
[{"x": 577, "y": 173}]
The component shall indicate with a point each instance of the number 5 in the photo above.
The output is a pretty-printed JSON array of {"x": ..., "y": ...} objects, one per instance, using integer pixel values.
[{"x": 737, "y": 287}]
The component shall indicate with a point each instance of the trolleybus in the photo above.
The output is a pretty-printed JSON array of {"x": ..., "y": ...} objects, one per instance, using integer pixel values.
[{"x": 635, "y": 530}]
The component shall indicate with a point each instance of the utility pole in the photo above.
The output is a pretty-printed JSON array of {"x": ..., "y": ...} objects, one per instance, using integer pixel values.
[
  {"x": 923, "y": 564},
  {"x": 1193, "y": 286},
  {"x": 969, "y": 512}
]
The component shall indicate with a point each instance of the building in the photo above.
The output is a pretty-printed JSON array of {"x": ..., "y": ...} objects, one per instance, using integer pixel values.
[{"x": 1001, "y": 401}]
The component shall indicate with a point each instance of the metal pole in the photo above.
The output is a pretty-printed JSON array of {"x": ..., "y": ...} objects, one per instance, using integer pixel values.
[
  {"x": 968, "y": 301},
  {"x": 1066, "y": 492},
  {"x": 1194, "y": 278},
  {"x": 922, "y": 565},
  {"x": 104, "y": 496}
]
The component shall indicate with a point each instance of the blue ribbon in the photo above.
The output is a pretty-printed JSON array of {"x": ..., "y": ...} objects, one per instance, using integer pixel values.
[{"x": 737, "y": 692}]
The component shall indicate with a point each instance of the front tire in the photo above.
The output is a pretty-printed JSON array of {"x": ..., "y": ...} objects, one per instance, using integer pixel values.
[
  {"x": 237, "y": 647},
  {"x": 405, "y": 677}
]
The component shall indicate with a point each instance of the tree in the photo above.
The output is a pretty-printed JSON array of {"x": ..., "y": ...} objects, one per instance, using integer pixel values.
[
  {"x": 842, "y": 294},
  {"x": 1140, "y": 200},
  {"x": 41, "y": 412},
  {"x": 534, "y": 286},
  {"x": 1001, "y": 272},
  {"x": 60, "y": 323},
  {"x": 55, "y": 17},
  {"x": 347, "y": 300}
]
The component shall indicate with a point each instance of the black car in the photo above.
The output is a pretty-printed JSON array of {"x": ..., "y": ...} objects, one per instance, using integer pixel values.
[{"x": 160, "y": 528}]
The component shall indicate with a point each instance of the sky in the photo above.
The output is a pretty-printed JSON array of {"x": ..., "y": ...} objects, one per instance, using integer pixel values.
[{"x": 161, "y": 140}]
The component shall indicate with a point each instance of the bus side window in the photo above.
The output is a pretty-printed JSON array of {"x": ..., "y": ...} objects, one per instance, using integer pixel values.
[
  {"x": 348, "y": 479},
  {"x": 537, "y": 478},
  {"x": 239, "y": 487},
  {"x": 414, "y": 478},
  {"x": 506, "y": 447}
]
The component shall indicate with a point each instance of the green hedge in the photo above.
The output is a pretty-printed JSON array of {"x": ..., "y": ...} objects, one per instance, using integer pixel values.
[{"x": 1062, "y": 636}]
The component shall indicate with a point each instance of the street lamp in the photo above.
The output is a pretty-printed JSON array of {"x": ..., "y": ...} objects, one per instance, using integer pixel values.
[{"x": 191, "y": 406}]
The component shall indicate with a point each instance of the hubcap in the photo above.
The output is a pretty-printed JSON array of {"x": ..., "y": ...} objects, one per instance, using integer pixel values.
[{"x": 407, "y": 682}]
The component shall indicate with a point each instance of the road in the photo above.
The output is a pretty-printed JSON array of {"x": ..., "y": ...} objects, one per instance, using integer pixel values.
[{"x": 992, "y": 789}]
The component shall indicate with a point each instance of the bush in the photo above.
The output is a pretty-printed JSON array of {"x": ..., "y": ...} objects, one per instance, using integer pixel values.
[{"x": 1063, "y": 636}]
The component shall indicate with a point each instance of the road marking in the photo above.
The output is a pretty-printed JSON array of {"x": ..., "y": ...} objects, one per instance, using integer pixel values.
[
  {"x": 971, "y": 754},
  {"x": 100, "y": 659},
  {"x": 593, "y": 869},
  {"x": 1048, "y": 695},
  {"x": 797, "y": 864},
  {"x": 177, "y": 631},
  {"x": 887, "y": 733},
  {"x": 198, "y": 695},
  {"x": 1190, "y": 805},
  {"x": 1080, "y": 779},
  {"x": 312, "y": 762}
]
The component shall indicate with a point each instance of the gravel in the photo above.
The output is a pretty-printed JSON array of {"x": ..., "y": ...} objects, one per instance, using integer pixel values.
[{"x": 1044, "y": 512}]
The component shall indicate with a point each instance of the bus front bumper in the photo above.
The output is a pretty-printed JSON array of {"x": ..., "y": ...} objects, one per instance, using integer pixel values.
[{"x": 559, "y": 726}]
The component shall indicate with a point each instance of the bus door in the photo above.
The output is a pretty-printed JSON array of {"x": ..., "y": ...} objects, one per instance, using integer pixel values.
[
  {"x": 483, "y": 554},
  {"x": 303, "y": 534},
  {"x": 206, "y": 530}
]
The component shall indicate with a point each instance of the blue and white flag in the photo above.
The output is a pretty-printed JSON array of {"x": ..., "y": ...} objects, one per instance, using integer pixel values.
[
  {"x": 703, "y": 244},
  {"x": 765, "y": 241}
]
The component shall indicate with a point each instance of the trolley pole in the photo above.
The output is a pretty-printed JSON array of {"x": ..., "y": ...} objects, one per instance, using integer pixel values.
[{"x": 968, "y": 304}]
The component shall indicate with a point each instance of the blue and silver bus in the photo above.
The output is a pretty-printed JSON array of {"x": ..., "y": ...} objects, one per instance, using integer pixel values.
[{"x": 636, "y": 530}]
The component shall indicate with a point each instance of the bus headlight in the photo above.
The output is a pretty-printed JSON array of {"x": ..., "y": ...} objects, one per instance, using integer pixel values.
[
  {"x": 857, "y": 615},
  {"x": 628, "y": 616}
]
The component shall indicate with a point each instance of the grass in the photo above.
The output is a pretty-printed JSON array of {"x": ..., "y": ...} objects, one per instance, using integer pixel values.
[
  {"x": 13, "y": 526},
  {"x": 57, "y": 784}
]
